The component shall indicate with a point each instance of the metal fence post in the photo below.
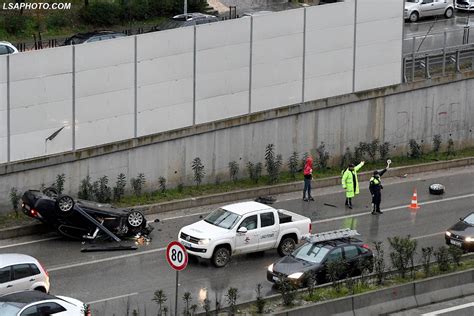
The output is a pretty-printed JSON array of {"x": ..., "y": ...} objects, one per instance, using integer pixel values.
[
  {"x": 444, "y": 52},
  {"x": 458, "y": 64},
  {"x": 427, "y": 67},
  {"x": 354, "y": 48},
  {"x": 250, "y": 64},
  {"x": 304, "y": 57},
  {"x": 194, "y": 78},
  {"x": 73, "y": 97},
  {"x": 404, "y": 73},
  {"x": 135, "y": 88},
  {"x": 413, "y": 61},
  {"x": 8, "y": 110}
]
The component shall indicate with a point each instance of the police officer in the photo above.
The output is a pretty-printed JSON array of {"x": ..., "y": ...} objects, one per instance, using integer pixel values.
[{"x": 375, "y": 188}]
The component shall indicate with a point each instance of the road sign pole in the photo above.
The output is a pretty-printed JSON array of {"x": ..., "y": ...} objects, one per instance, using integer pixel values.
[{"x": 176, "y": 296}]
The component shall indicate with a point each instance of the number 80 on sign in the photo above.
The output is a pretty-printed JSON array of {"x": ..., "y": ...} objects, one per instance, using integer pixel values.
[{"x": 176, "y": 256}]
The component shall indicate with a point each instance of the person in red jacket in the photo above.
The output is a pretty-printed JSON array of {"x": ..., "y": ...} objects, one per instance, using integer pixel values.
[{"x": 308, "y": 177}]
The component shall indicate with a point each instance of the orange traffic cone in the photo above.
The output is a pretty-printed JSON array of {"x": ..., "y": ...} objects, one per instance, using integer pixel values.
[{"x": 414, "y": 201}]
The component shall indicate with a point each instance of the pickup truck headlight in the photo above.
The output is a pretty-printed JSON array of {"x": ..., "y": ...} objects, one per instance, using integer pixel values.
[
  {"x": 204, "y": 241},
  {"x": 469, "y": 239},
  {"x": 270, "y": 268},
  {"x": 448, "y": 234},
  {"x": 296, "y": 275}
]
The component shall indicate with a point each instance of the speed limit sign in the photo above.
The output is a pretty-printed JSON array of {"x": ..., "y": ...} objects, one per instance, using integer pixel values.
[{"x": 177, "y": 256}]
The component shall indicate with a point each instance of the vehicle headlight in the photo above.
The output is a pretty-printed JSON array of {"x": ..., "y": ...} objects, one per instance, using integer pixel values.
[
  {"x": 270, "y": 268},
  {"x": 296, "y": 275},
  {"x": 204, "y": 241},
  {"x": 448, "y": 234},
  {"x": 469, "y": 239}
]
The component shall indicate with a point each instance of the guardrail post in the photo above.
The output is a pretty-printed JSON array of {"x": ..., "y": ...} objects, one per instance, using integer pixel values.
[
  {"x": 427, "y": 67},
  {"x": 458, "y": 64},
  {"x": 444, "y": 52},
  {"x": 405, "y": 79},
  {"x": 8, "y": 111},
  {"x": 413, "y": 61}
]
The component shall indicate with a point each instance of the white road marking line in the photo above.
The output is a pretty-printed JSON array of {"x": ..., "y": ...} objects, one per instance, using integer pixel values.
[
  {"x": 29, "y": 242},
  {"x": 392, "y": 209},
  {"x": 450, "y": 309},
  {"x": 80, "y": 264},
  {"x": 113, "y": 298},
  {"x": 429, "y": 235}
]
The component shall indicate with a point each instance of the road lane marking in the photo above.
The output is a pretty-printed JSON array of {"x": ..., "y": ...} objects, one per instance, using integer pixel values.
[
  {"x": 80, "y": 264},
  {"x": 450, "y": 309},
  {"x": 429, "y": 235},
  {"x": 392, "y": 209},
  {"x": 112, "y": 298},
  {"x": 29, "y": 242}
]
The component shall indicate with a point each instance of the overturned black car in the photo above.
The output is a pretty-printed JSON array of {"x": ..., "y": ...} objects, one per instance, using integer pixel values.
[{"x": 79, "y": 219}]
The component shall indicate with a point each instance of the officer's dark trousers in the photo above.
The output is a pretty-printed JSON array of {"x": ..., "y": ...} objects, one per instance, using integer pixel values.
[{"x": 376, "y": 200}]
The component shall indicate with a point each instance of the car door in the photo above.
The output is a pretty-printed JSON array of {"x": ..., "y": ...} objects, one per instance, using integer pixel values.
[
  {"x": 268, "y": 234},
  {"x": 427, "y": 8},
  {"x": 335, "y": 255},
  {"x": 22, "y": 277},
  {"x": 5, "y": 278},
  {"x": 352, "y": 257},
  {"x": 247, "y": 242}
]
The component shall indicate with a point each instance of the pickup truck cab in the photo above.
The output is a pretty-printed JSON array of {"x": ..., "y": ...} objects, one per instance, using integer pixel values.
[{"x": 243, "y": 228}]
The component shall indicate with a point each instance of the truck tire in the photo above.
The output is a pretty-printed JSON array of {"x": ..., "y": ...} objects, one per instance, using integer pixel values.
[
  {"x": 221, "y": 257},
  {"x": 286, "y": 246}
]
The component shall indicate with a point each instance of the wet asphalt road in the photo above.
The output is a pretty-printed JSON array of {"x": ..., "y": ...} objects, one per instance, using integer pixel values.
[{"x": 113, "y": 280}]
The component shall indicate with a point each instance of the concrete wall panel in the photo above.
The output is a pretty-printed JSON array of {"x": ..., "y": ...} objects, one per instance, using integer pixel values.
[
  {"x": 3, "y": 110},
  {"x": 165, "y": 80}
]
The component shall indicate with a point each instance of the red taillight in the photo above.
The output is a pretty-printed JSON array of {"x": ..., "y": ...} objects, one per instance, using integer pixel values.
[
  {"x": 310, "y": 228},
  {"x": 87, "y": 311},
  {"x": 33, "y": 212},
  {"x": 365, "y": 246},
  {"x": 43, "y": 268}
]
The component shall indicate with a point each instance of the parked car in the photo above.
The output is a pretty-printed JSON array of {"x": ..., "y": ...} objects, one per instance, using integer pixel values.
[
  {"x": 21, "y": 272},
  {"x": 256, "y": 13},
  {"x": 464, "y": 5},
  {"x": 90, "y": 37},
  {"x": 416, "y": 9},
  {"x": 243, "y": 228},
  {"x": 34, "y": 303},
  {"x": 189, "y": 19},
  {"x": 309, "y": 263},
  {"x": 83, "y": 219},
  {"x": 7, "y": 48},
  {"x": 461, "y": 234}
]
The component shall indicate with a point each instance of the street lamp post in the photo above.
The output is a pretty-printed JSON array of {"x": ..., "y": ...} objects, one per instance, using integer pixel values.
[{"x": 185, "y": 8}]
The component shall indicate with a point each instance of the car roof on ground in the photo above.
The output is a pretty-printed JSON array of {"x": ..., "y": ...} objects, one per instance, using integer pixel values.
[
  {"x": 246, "y": 207},
  {"x": 27, "y": 297},
  {"x": 7, "y": 259}
]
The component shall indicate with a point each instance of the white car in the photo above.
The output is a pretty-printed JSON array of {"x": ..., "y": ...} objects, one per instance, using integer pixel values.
[
  {"x": 416, "y": 9},
  {"x": 7, "y": 48},
  {"x": 34, "y": 303},
  {"x": 243, "y": 228},
  {"x": 467, "y": 5},
  {"x": 20, "y": 273}
]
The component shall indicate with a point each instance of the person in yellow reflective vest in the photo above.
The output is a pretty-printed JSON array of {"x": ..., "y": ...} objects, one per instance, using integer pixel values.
[
  {"x": 375, "y": 187},
  {"x": 350, "y": 182}
]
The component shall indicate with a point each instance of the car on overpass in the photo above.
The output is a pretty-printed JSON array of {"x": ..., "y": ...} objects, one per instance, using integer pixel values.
[
  {"x": 461, "y": 234},
  {"x": 309, "y": 262},
  {"x": 90, "y": 37},
  {"x": 190, "y": 19},
  {"x": 242, "y": 228},
  {"x": 416, "y": 9},
  {"x": 464, "y": 5},
  {"x": 7, "y": 48}
]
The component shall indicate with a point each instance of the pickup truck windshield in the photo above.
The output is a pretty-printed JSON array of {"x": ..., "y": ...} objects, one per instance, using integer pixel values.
[
  {"x": 314, "y": 253},
  {"x": 222, "y": 218}
]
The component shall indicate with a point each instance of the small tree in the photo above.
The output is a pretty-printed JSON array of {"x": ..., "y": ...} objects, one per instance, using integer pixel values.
[
  {"x": 260, "y": 302},
  {"x": 272, "y": 163},
  {"x": 335, "y": 270},
  {"x": 415, "y": 149},
  {"x": 384, "y": 150},
  {"x": 456, "y": 254},
  {"x": 254, "y": 171},
  {"x": 187, "y": 300},
  {"x": 138, "y": 183},
  {"x": 15, "y": 199},
  {"x": 442, "y": 258},
  {"x": 403, "y": 253},
  {"x": 85, "y": 189},
  {"x": 160, "y": 298},
  {"x": 359, "y": 152},
  {"x": 119, "y": 189},
  {"x": 293, "y": 164},
  {"x": 162, "y": 184},
  {"x": 233, "y": 170},
  {"x": 232, "y": 297},
  {"x": 287, "y": 291},
  {"x": 437, "y": 143},
  {"x": 206, "y": 305},
  {"x": 323, "y": 156},
  {"x": 346, "y": 158},
  {"x": 59, "y": 183},
  {"x": 379, "y": 262},
  {"x": 198, "y": 169},
  {"x": 102, "y": 191},
  {"x": 426, "y": 254},
  {"x": 450, "y": 149},
  {"x": 372, "y": 149}
]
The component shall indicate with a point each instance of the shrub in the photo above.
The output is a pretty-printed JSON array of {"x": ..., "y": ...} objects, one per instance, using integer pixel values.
[
  {"x": 272, "y": 163},
  {"x": 442, "y": 258},
  {"x": 15, "y": 23},
  {"x": 101, "y": 13},
  {"x": 198, "y": 169},
  {"x": 360, "y": 151},
  {"x": 384, "y": 150},
  {"x": 323, "y": 156},
  {"x": 59, "y": 183},
  {"x": 135, "y": 10},
  {"x": 180, "y": 187},
  {"x": 254, "y": 171},
  {"x": 293, "y": 164},
  {"x": 102, "y": 191},
  {"x": 437, "y": 143},
  {"x": 15, "y": 199},
  {"x": 379, "y": 261},
  {"x": 162, "y": 184},
  {"x": 287, "y": 291},
  {"x": 232, "y": 297},
  {"x": 160, "y": 298},
  {"x": 138, "y": 183},
  {"x": 415, "y": 149},
  {"x": 57, "y": 20},
  {"x": 450, "y": 149},
  {"x": 404, "y": 250},
  {"x": 426, "y": 254},
  {"x": 335, "y": 270},
  {"x": 206, "y": 305},
  {"x": 187, "y": 300},
  {"x": 260, "y": 302},
  {"x": 119, "y": 189},
  {"x": 85, "y": 189},
  {"x": 346, "y": 158},
  {"x": 455, "y": 253},
  {"x": 372, "y": 149},
  {"x": 233, "y": 170}
]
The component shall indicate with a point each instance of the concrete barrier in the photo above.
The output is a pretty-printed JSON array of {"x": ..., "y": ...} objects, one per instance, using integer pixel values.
[
  {"x": 18, "y": 231},
  {"x": 339, "y": 307}
]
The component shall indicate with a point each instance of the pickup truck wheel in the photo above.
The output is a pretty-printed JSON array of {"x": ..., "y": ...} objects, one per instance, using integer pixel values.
[
  {"x": 286, "y": 246},
  {"x": 221, "y": 257}
]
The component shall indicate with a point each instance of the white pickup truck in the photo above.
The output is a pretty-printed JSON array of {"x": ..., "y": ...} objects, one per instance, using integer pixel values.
[{"x": 243, "y": 228}]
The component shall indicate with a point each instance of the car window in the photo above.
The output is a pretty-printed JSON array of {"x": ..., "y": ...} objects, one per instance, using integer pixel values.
[
  {"x": 49, "y": 308},
  {"x": 427, "y": 1},
  {"x": 335, "y": 255},
  {"x": 3, "y": 50},
  {"x": 267, "y": 219},
  {"x": 249, "y": 223},
  {"x": 351, "y": 252},
  {"x": 469, "y": 219},
  {"x": 310, "y": 252},
  {"x": 93, "y": 39},
  {"x": 34, "y": 269},
  {"x": 10, "y": 308},
  {"x": 21, "y": 271},
  {"x": 5, "y": 274}
]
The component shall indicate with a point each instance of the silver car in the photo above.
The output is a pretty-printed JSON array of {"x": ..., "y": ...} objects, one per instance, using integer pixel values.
[
  {"x": 466, "y": 5},
  {"x": 416, "y": 9},
  {"x": 21, "y": 272}
]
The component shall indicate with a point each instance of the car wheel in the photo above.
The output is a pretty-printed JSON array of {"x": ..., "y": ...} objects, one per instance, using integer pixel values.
[
  {"x": 414, "y": 17},
  {"x": 286, "y": 246},
  {"x": 436, "y": 189},
  {"x": 135, "y": 219},
  {"x": 221, "y": 257},
  {"x": 51, "y": 192},
  {"x": 448, "y": 13},
  {"x": 64, "y": 204}
]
